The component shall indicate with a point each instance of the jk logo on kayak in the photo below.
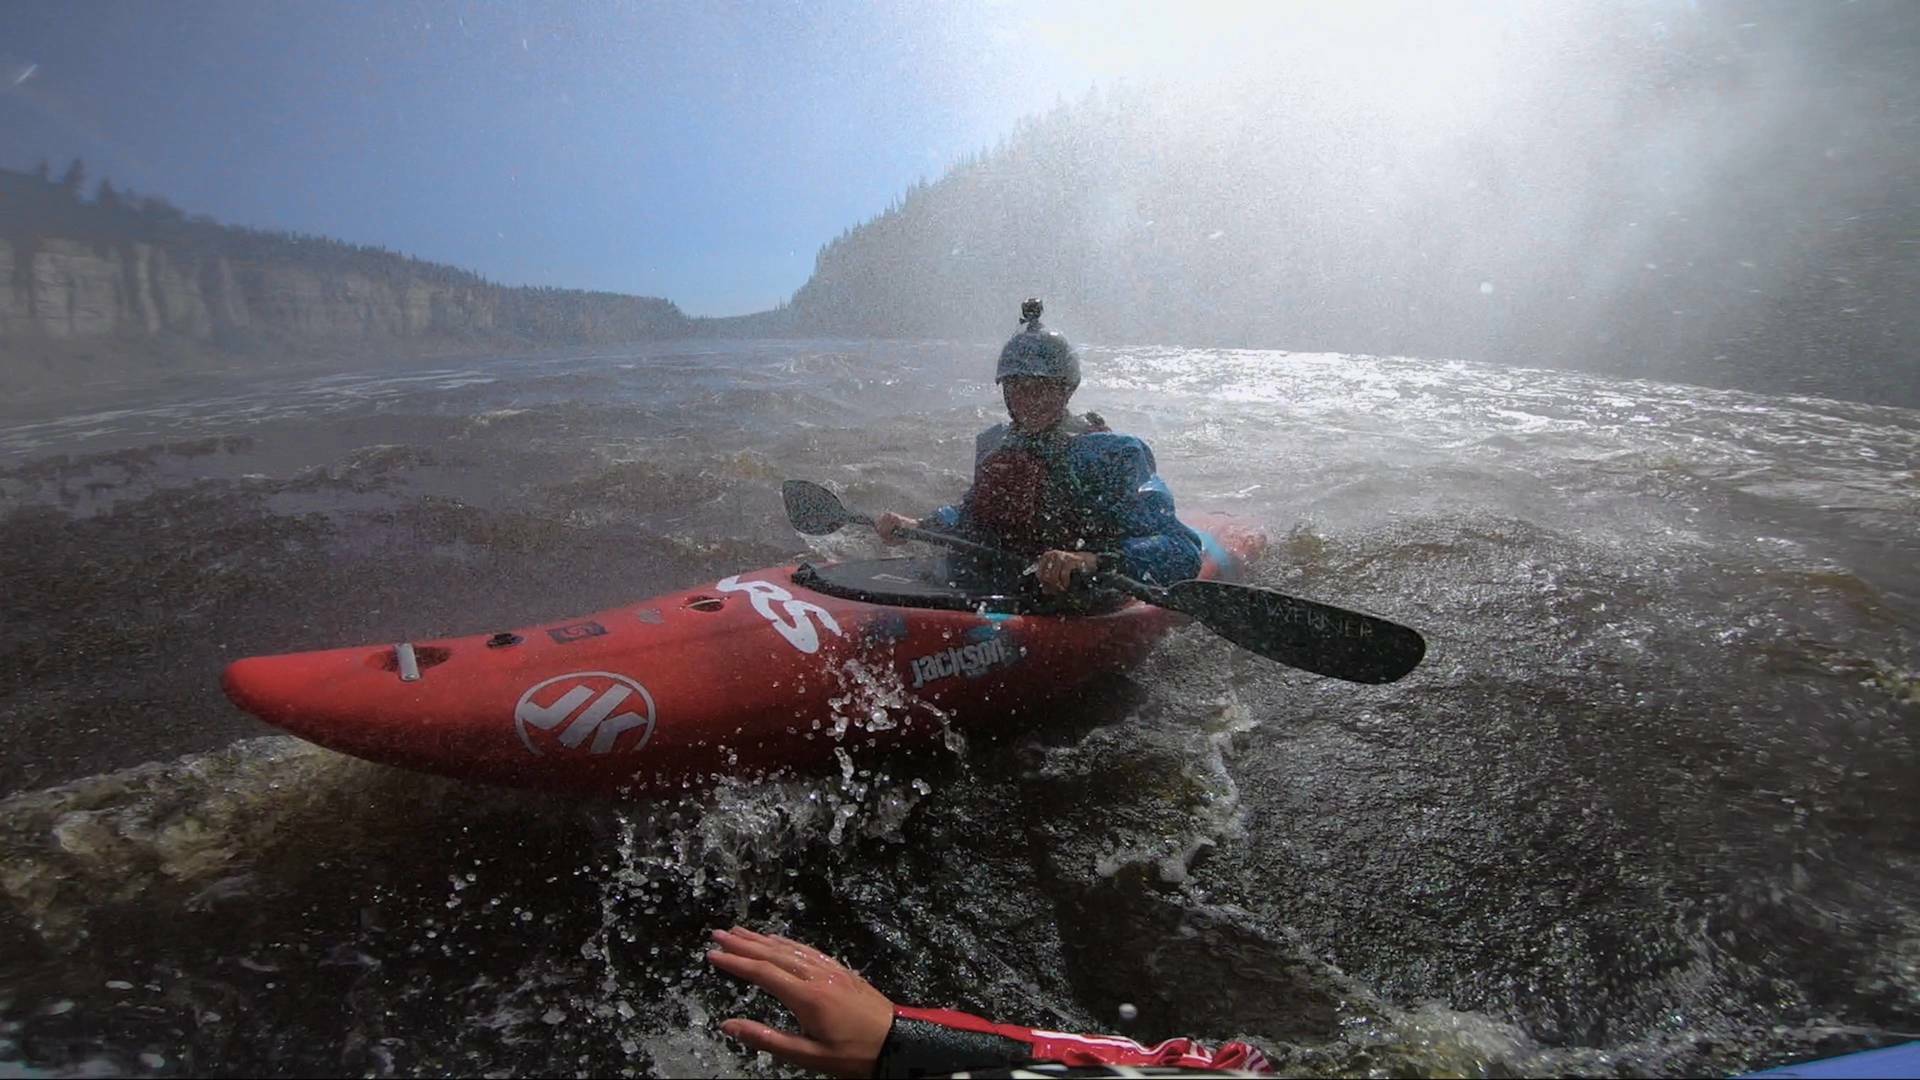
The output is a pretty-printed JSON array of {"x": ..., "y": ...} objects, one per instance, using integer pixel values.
[
  {"x": 801, "y": 633},
  {"x": 612, "y": 710}
]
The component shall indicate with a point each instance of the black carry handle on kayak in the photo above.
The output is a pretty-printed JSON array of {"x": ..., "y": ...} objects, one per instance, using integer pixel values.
[{"x": 1305, "y": 634}]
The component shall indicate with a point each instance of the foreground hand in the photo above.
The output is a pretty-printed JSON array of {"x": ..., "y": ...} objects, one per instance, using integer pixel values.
[
  {"x": 843, "y": 1020},
  {"x": 887, "y": 523},
  {"x": 1055, "y": 569}
]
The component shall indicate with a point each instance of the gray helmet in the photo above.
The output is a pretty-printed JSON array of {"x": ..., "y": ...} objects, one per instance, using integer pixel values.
[{"x": 1038, "y": 352}]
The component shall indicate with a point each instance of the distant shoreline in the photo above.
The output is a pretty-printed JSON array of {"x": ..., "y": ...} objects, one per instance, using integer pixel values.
[{"x": 126, "y": 378}]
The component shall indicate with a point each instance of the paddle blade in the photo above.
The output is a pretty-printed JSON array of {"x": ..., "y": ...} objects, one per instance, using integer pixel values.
[
  {"x": 813, "y": 509},
  {"x": 1312, "y": 636}
]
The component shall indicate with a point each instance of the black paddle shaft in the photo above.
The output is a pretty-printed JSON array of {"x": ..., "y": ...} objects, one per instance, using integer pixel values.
[
  {"x": 1305, "y": 634},
  {"x": 816, "y": 511}
]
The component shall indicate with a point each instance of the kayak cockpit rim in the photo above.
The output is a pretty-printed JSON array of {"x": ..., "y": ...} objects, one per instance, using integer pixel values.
[{"x": 937, "y": 583}]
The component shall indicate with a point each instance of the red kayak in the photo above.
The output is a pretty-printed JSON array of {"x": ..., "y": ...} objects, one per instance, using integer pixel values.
[{"x": 756, "y": 673}]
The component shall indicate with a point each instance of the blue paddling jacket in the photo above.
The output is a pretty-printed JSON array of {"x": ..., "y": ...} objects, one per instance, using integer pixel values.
[{"x": 1075, "y": 487}]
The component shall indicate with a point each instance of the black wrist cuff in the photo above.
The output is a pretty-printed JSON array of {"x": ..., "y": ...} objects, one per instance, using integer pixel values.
[{"x": 917, "y": 1048}]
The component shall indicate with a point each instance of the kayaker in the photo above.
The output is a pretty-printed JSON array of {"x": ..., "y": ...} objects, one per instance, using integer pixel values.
[
  {"x": 1061, "y": 486},
  {"x": 848, "y": 1028}
]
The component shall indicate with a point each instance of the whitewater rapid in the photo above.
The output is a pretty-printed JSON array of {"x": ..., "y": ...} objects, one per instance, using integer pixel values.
[{"x": 1646, "y": 807}]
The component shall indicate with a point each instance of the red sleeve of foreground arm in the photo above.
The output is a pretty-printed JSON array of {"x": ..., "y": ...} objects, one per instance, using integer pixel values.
[{"x": 1071, "y": 1049}]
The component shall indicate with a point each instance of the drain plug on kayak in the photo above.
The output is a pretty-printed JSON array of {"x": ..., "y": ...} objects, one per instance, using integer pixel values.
[
  {"x": 705, "y": 603},
  {"x": 502, "y": 640}
]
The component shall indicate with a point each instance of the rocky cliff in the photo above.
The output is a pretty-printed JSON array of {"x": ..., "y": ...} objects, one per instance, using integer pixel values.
[
  {"x": 68, "y": 290},
  {"x": 113, "y": 288}
]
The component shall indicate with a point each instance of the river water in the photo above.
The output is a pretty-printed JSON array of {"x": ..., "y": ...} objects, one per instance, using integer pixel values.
[{"x": 1648, "y": 807}]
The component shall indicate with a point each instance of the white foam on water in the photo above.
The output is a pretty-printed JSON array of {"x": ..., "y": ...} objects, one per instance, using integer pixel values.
[{"x": 1217, "y": 814}]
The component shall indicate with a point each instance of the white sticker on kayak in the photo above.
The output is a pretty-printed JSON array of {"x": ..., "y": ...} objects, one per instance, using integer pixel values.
[
  {"x": 615, "y": 712},
  {"x": 800, "y": 633}
]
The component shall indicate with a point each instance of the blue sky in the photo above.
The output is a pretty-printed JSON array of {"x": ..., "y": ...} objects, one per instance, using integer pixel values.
[{"x": 701, "y": 152}]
